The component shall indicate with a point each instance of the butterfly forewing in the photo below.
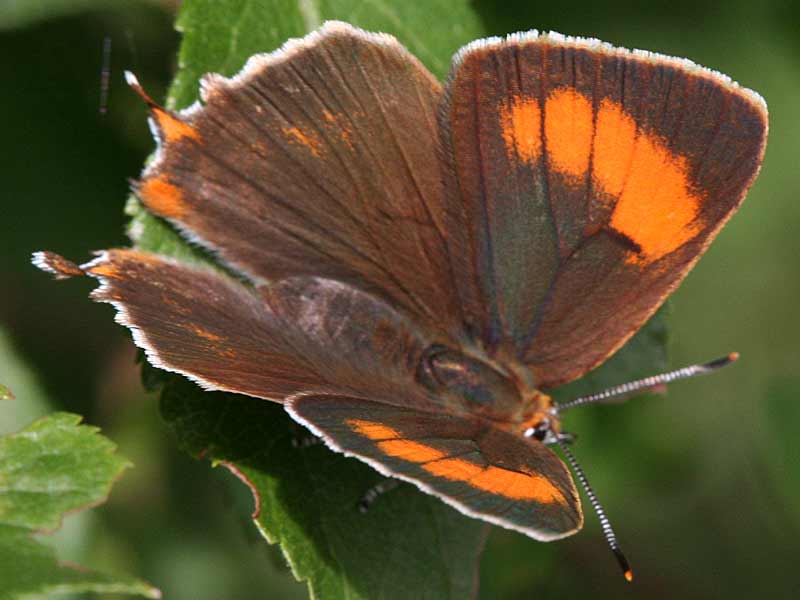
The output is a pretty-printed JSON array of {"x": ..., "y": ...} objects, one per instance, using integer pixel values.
[
  {"x": 202, "y": 324},
  {"x": 318, "y": 159},
  {"x": 298, "y": 335},
  {"x": 589, "y": 180}
]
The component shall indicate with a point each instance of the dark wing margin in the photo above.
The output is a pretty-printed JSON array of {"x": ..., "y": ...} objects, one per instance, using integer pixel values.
[
  {"x": 317, "y": 159},
  {"x": 481, "y": 471},
  {"x": 589, "y": 180},
  {"x": 302, "y": 334}
]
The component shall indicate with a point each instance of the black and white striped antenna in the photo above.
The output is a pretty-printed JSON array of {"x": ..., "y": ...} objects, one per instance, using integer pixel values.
[
  {"x": 605, "y": 524},
  {"x": 621, "y": 391},
  {"x": 654, "y": 381}
]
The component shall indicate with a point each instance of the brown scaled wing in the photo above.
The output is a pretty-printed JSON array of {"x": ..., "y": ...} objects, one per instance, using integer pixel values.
[{"x": 588, "y": 180}]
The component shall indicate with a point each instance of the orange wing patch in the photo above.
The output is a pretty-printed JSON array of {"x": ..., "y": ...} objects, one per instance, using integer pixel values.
[
  {"x": 204, "y": 333},
  {"x": 569, "y": 128},
  {"x": 170, "y": 127},
  {"x": 411, "y": 451},
  {"x": 216, "y": 342},
  {"x": 510, "y": 484},
  {"x": 655, "y": 204},
  {"x": 502, "y": 482},
  {"x": 163, "y": 198},
  {"x": 656, "y": 208},
  {"x": 173, "y": 129},
  {"x": 614, "y": 140},
  {"x": 521, "y": 124},
  {"x": 373, "y": 431},
  {"x": 310, "y": 141},
  {"x": 105, "y": 269},
  {"x": 391, "y": 443},
  {"x": 114, "y": 265}
]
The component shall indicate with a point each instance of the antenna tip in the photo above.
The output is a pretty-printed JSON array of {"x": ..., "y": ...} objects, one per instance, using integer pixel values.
[
  {"x": 719, "y": 362},
  {"x": 627, "y": 572}
]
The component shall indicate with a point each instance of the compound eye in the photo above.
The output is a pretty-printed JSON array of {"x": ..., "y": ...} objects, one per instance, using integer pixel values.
[{"x": 540, "y": 431}]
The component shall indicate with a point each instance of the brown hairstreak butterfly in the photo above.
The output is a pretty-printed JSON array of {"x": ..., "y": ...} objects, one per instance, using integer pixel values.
[{"x": 419, "y": 263}]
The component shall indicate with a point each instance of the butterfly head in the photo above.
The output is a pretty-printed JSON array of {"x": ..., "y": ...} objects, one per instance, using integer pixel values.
[
  {"x": 544, "y": 424},
  {"x": 541, "y": 420}
]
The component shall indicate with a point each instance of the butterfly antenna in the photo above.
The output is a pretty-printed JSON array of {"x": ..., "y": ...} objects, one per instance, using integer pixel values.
[
  {"x": 608, "y": 532},
  {"x": 654, "y": 381}
]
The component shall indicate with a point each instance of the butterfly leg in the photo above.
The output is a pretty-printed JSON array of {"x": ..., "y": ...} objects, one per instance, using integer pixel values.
[{"x": 372, "y": 493}]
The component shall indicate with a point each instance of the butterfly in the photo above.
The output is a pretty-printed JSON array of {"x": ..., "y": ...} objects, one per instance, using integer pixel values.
[{"x": 415, "y": 264}]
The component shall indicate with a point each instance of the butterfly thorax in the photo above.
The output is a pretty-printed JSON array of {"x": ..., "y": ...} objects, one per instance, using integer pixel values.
[{"x": 488, "y": 391}]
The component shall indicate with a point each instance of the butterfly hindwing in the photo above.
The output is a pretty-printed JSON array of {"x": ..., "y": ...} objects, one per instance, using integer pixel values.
[
  {"x": 202, "y": 324},
  {"x": 589, "y": 180},
  {"x": 480, "y": 470},
  {"x": 298, "y": 335}
]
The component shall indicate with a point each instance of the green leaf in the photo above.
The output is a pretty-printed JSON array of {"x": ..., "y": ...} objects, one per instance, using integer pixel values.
[
  {"x": 52, "y": 467},
  {"x": 18, "y": 381},
  {"x": 409, "y": 544}
]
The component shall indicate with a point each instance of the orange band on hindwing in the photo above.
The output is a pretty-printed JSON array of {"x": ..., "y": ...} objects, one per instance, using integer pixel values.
[{"x": 492, "y": 479}]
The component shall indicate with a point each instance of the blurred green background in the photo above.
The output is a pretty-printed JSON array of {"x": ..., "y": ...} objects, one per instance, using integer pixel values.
[{"x": 703, "y": 486}]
